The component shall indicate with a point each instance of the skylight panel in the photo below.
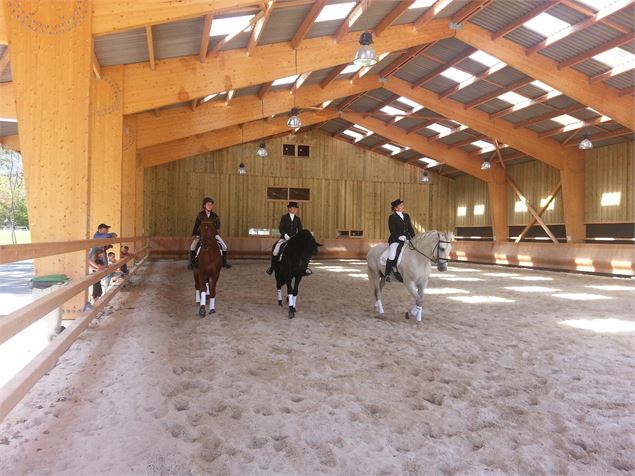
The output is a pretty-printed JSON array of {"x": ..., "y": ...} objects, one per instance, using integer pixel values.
[
  {"x": 429, "y": 161},
  {"x": 594, "y": 4},
  {"x": 355, "y": 135},
  {"x": 409, "y": 102},
  {"x": 543, "y": 86},
  {"x": 392, "y": 148},
  {"x": 484, "y": 58},
  {"x": 513, "y": 98},
  {"x": 392, "y": 110},
  {"x": 615, "y": 57},
  {"x": 456, "y": 75},
  {"x": 227, "y": 26},
  {"x": 336, "y": 11},
  {"x": 367, "y": 131},
  {"x": 481, "y": 144},
  {"x": 351, "y": 68},
  {"x": 546, "y": 25},
  {"x": 565, "y": 119},
  {"x": 285, "y": 80},
  {"x": 422, "y": 4},
  {"x": 438, "y": 128}
]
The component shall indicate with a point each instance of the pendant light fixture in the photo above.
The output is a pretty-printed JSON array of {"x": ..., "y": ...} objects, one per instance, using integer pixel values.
[
  {"x": 294, "y": 121},
  {"x": 486, "y": 164},
  {"x": 585, "y": 143},
  {"x": 425, "y": 178},
  {"x": 365, "y": 55},
  {"x": 262, "y": 149}
]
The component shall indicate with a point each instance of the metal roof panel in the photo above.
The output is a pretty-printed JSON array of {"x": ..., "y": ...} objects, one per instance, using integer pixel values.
[{"x": 125, "y": 47}]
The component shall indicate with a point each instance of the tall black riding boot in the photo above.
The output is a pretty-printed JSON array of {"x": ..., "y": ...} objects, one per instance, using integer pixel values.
[
  {"x": 389, "y": 264},
  {"x": 273, "y": 263},
  {"x": 225, "y": 263},
  {"x": 192, "y": 260}
]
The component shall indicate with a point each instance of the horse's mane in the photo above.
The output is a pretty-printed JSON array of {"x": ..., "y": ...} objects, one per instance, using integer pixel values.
[
  {"x": 421, "y": 238},
  {"x": 206, "y": 238}
]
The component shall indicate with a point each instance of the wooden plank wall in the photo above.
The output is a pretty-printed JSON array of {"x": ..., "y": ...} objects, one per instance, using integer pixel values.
[
  {"x": 471, "y": 191},
  {"x": 351, "y": 188},
  {"x": 536, "y": 180},
  {"x": 610, "y": 170}
]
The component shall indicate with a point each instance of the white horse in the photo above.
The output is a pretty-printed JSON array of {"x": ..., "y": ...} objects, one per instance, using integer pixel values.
[{"x": 415, "y": 266}]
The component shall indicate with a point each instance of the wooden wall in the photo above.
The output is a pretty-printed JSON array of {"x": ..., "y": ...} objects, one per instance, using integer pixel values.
[
  {"x": 610, "y": 170},
  {"x": 351, "y": 188},
  {"x": 536, "y": 181},
  {"x": 469, "y": 192}
]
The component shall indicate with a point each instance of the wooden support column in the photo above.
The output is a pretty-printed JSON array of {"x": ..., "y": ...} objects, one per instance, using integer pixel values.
[
  {"x": 106, "y": 157},
  {"x": 497, "y": 192},
  {"x": 573, "y": 197},
  {"x": 51, "y": 58},
  {"x": 129, "y": 178}
]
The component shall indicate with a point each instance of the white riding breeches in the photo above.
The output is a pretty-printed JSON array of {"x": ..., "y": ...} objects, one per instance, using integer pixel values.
[
  {"x": 276, "y": 249},
  {"x": 221, "y": 243},
  {"x": 393, "y": 250}
]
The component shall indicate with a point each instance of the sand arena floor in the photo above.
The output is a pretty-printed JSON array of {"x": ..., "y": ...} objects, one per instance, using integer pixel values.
[{"x": 511, "y": 372}]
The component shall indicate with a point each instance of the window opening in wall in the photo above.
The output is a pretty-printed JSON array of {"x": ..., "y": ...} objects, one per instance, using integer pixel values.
[
  {"x": 461, "y": 211},
  {"x": 543, "y": 202},
  {"x": 520, "y": 207},
  {"x": 304, "y": 151},
  {"x": 289, "y": 193},
  {"x": 611, "y": 199},
  {"x": 288, "y": 150},
  {"x": 479, "y": 210}
]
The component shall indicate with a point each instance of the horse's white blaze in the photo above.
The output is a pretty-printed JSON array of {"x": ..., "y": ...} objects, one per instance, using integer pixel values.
[
  {"x": 279, "y": 294},
  {"x": 212, "y": 303},
  {"x": 202, "y": 299},
  {"x": 198, "y": 296}
]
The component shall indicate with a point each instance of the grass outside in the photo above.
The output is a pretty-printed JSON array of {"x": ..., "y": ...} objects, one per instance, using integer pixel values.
[{"x": 22, "y": 236}]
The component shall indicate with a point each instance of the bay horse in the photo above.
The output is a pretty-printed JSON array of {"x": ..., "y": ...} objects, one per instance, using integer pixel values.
[
  {"x": 417, "y": 258},
  {"x": 207, "y": 268},
  {"x": 293, "y": 265}
]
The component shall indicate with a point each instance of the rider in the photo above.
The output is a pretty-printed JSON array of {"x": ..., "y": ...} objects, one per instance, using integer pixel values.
[
  {"x": 400, "y": 230},
  {"x": 207, "y": 214},
  {"x": 290, "y": 225}
]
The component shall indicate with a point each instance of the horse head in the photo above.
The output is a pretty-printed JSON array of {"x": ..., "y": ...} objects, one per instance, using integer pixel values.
[
  {"x": 208, "y": 232},
  {"x": 443, "y": 248},
  {"x": 308, "y": 248}
]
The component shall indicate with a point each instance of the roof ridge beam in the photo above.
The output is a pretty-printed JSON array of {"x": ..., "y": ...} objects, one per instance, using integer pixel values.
[{"x": 576, "y": 85}]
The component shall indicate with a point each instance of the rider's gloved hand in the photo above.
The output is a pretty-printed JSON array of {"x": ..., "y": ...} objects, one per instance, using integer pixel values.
[
  {"x": 402, "y": 238},
  {"x": 286, "y": 237}
]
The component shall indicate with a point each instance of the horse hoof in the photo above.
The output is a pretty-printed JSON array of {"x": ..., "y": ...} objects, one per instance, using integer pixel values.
[
  {"x": 407, "y": 315},
  {"x": 201, "y": 311},
  {"x": 279, "y": 303},
  {"x": 212, "y": 311},
  {"x": 291, "y": 314}
]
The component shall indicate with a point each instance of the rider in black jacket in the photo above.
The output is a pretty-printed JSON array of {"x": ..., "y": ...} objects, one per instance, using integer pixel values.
[
  {"x": 290, "y": 225},
  {"x": 401, "y": 230}
]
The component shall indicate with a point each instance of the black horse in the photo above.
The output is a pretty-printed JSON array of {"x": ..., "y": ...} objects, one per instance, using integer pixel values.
[{"x": 294, "y": 265}]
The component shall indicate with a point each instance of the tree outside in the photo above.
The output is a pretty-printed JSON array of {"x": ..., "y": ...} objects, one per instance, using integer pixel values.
[{"x": 13, "y": 206}]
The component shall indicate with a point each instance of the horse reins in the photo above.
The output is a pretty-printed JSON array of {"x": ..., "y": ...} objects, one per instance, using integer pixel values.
[{"x": 436, "y": 248}]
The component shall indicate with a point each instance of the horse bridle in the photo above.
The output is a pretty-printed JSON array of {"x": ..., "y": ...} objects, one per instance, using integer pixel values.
[{"x": 436, "y": 249}]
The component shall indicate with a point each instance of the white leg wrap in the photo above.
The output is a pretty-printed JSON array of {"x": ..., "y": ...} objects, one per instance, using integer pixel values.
[
  {"x": 212, "y": 303},
  {"x": 379, "y": 306},
  {"x": 198, "y": 296},
  {"x": 295, "y": 301},
  {"x": 202, "y": 299},
  {"x": 416, "y": 312},
  {"x": 290, "y": 300},
  {"x": 279, "y": 294}
]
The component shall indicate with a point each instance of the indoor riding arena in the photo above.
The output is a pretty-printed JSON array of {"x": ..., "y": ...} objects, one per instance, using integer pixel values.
[{"x": 479, "y": 151}]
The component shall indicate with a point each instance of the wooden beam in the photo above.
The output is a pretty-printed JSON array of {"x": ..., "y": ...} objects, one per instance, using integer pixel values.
[
  {"x": 352, "y": 17},
  {"x": 526, "y": 104},
  {"x": 11, "y": 142},
  {"x": 585, "y": 55},
  {"x": 551, "y": 198},
  {"x": 590, "y": 12},
  {"x": 575, "y": 85},
  {"x": 588, "y": 22},
  {"x": 403, "y": 60},
  {"x": 228, "y": 98},
  {"x": 109, "y": 16},
  {"x": 530, "y": 209},
  {"x": 498, "y": 154},
  {"x": 218, "y": 46},
  {"x": 349, "y": 101},
  {"x": 577, "y": 125},
  {"x": 264, "y": 89},
  {"x": 179, "y": 123},
  {"x": 543, "y": 7},
  {"x": 470, "y": 9},
  {"x": 626, "y": 91},
  {"x": 548, "y": 151},
  {"x": 307, "y": 23},
  {"x": 452, "y": 62},
  {"x": 222, "y": 138},
  {"x": 207, "y": 29},
  {"x": 607, "y": 135},
  {"x": 259, "y": 27},
  {"x": 95, "y": 64},
  {"x": 334, "y": 73},
  {"x": 476, "y": 78},
  {"x": 299, "y": 81},
  {"x": 150, "y": 41},
  {"x": 430, "y": 13},
  {"x": 456, "y": 158},
  {"x": 4, "y": 38},
  {"x": 394, "y": 14},
  {"x": 625, "y": 68}
]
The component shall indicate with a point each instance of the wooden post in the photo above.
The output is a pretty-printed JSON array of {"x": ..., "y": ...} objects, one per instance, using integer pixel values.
[
  {"x": 129, "y": 179},
  {"x": 572, "y": 178},
  {"x": 51, "y": 64},
  {"x": 106, "y": 154},
  {"x": 497, "y": 191}
]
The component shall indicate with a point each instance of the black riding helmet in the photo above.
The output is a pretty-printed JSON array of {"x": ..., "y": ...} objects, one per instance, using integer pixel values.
[{"x": 207, "y": 200}]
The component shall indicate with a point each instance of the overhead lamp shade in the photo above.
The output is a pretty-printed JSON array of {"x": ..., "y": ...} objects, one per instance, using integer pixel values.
[
  {"x": 262, "y": 151},
  {"x": 585, "y": 144},
  {"x": 365, "y": 55},
  {"x": 294, "y": 120},
  {"x": 486, "y": 165},
  {"x": 425, "y": 178},
  {"x": 242, "y": 170}
]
